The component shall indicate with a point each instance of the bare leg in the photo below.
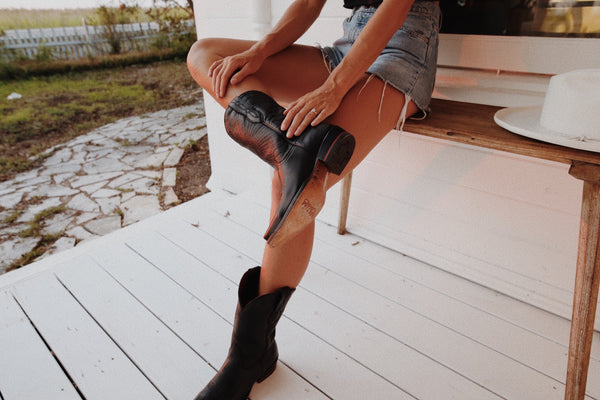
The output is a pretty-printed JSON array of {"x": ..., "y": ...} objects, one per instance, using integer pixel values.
[
  {"x": 285, "y": 77},
  {"x": 359, "y": 115}
]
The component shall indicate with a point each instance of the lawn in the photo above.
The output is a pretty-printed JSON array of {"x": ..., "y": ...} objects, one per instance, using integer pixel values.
[{"x": 57, "y": 108}]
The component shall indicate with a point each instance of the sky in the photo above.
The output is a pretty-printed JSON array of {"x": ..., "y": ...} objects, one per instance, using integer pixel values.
[{"x": 60, "y": 4}]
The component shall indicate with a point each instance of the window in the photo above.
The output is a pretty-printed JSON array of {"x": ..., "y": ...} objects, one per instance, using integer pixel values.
[
  {"x": 553, "y": 18},
  {"x": 532, "y": 36}
]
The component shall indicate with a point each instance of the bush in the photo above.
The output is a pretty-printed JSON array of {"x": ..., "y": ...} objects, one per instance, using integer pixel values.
[
  {"x": 30, "y": 68},
  {"x": 110, "y": 19},
  {"x": 175, "y": 29}
]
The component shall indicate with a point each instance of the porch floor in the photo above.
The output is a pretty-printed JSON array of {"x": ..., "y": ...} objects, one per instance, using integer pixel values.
[{"x": 146, "y": 313}]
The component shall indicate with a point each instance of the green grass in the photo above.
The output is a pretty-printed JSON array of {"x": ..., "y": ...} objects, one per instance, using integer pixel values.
[
  {"x": 51, "y": 18},
  {"x": 37, "y": 223},
  {"x": 57, "y": 108},
  {"x": 20, "y": 18}
]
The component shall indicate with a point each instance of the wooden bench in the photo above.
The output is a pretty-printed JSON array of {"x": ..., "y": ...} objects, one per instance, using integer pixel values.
[{"x": 474, "y": 124}]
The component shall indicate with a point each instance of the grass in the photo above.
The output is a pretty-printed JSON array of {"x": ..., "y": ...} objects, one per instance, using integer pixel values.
[
  {"x": 43, "y": 245},
  {"x": 31, "y": 19},
  {"x": 20, "y": 18},
  {"x": 57, "y": 108},
  {"x": 51, "y": 18},
  {"x": 34, "y": 227}
]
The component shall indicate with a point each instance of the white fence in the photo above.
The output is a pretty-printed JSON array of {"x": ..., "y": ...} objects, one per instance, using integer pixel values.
[{"x": 70, "y": 43}]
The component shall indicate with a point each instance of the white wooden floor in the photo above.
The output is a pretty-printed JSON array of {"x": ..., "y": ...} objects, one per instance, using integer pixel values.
[{"x": 146, "y": 313}]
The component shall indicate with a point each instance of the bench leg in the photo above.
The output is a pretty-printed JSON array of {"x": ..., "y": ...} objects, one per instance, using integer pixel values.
[
  {"x": 344, "y": 201},
  {"x": 586, "y": 293}
]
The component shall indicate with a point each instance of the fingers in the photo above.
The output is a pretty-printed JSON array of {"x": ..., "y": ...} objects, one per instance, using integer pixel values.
[
  {"x": 299, "y": 116},
  {"x": 222, "y": 72}
]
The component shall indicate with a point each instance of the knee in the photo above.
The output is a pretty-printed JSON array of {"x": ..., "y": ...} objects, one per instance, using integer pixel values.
[{"x": 201, "y": 56}]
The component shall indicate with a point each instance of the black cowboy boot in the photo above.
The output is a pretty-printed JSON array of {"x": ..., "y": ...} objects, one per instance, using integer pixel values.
[
  {"x": 253, "y": 119},
  {"x": 253, "y": 353}
]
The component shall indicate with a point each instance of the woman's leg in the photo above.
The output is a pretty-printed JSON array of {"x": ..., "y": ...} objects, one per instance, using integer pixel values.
[
  {"x": 369, "y": 111},
  {"x": 284, "y": 76}
]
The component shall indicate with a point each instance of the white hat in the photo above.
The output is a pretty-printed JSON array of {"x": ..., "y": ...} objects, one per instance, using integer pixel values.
[{"x": 569, "y": 117}]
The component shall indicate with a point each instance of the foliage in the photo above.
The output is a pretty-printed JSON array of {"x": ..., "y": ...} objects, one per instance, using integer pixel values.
[
  {"x": 111, "y": 20},
  {"x": 57, "y": 108},
  {"x": 26, "y": 68},
  {"x": 43, "y": 54},
  {"x": 175, "y": 30}
]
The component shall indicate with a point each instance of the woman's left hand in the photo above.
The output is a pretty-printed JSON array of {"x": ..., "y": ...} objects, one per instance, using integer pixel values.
[{"x": 310, "y": 109}]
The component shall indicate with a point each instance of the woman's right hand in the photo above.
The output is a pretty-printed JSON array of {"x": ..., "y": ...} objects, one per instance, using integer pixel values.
[{"x": 233, "y": 70}]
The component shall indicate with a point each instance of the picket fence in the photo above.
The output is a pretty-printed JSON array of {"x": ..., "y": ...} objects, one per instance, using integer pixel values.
[{"x": 68, "y": 43}]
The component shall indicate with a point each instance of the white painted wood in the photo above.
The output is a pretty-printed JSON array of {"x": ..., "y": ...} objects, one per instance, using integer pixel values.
[
  {"x": 260, "y": 15},
  {"x": 472, "y": 212},
  {"x": 513, "y": 314},
  {"x": 298, "y": 348},
  {"x": 76, "y": 42},
  {"x": 205, "y": 318},
  {"x": 366, "y": 322},
  {"x": 27, "y": 369},
  {"x": 252, "y": 213},
  {"x": 510, "y": 382},
  {"x": 540, "y": 55},
  {"x": 93, "y": 361},
  {"x": 194, "y": 322},
  {"x": 162, "y": 356}
]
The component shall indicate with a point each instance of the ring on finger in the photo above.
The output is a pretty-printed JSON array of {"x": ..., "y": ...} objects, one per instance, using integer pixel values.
[{"x": 312, "y": 111}]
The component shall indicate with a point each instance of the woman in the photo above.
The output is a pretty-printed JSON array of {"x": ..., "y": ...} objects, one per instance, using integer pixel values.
[{"x": 340, "y": 102}]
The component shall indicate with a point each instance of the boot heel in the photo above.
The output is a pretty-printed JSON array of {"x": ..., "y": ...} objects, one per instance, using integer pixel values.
[
  {"x": 267, "y": 373},
  {"x": 336, "y": 150}
]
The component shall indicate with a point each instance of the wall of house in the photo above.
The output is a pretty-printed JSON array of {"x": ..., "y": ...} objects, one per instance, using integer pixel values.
[{"x": 505, "y": 221}]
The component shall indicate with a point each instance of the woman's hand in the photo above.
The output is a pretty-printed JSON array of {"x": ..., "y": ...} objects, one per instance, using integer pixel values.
[
  {"x": 311, "y": 109},
  {"x": 233, "y": 69}
]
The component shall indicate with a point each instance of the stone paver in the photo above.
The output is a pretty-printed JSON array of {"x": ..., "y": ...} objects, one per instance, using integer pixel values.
[{"x": 97, "y": 183}]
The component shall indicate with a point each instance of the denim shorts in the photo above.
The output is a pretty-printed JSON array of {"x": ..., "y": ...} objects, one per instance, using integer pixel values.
[{"x": 408, "y": 62}]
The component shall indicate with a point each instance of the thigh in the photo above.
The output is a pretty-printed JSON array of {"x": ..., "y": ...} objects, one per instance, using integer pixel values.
[
  {"x": 286, "y": 75},
  {"x": 369, "y": 111}
]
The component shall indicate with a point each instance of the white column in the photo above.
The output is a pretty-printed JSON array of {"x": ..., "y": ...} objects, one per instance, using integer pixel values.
[{"x": 260, "y": 15}]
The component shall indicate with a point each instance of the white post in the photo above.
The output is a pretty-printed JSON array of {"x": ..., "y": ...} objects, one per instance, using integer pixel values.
[{"x": 260, "y": 15}]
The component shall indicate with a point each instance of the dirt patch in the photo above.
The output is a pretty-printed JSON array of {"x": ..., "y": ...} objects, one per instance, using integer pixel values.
[{"x": 193, "y": 171}]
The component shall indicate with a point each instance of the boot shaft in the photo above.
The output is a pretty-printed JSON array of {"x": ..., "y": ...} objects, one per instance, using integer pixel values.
[
  {"x": 257, "y": 316},
  {"x": 253, "y": 119}
]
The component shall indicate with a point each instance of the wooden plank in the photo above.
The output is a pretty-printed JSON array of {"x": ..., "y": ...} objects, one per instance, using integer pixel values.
[
  {"x": 517, "y": 375},
  {"x": 587, "y": 283},
  {"x": 514, "y": 312},
  {"x": 523, "y": 316},
  {"x": 511, "y": 261},
  {"x": 206, "y": 285},
  {"x": 193, "y": 321},
  {"x": 474, "y": 124},
  {"x": 94, "y": 362},
  {"x": 299, "y": 348},
  {"x": 169, "y": 363},
  {"x": 27, "y": 369},
  {"x": 344, "y": 203},
  {"x": 352, "y": 341}
]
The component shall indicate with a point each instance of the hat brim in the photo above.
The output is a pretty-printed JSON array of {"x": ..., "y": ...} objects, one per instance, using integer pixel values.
[{"x": 525, "y": 121}]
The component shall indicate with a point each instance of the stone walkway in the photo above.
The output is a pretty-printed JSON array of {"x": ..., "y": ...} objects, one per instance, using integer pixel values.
[{"x": 97, "y": 183}]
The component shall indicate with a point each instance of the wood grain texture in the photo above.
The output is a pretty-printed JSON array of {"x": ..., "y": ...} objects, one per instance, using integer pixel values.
[
  {"x": 474, "y": 124},
  {"x": 586, "y": 292}
]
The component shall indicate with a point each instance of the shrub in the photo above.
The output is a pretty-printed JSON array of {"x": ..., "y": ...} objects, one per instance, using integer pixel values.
[{"x": 111, "y": 19}]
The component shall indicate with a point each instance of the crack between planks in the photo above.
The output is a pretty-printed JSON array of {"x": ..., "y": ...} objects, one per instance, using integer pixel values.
[
  {"x": 109, "y": 336},
  {"x": 52, "y": 353}
]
